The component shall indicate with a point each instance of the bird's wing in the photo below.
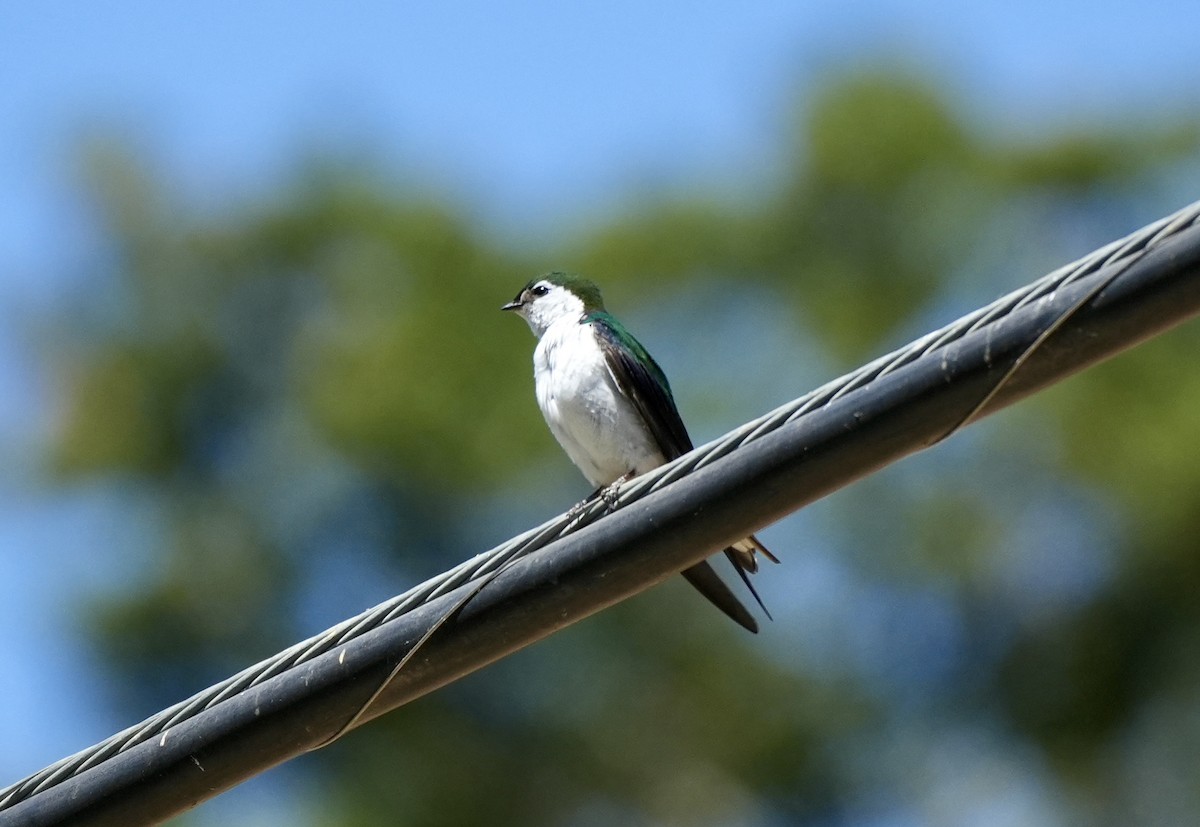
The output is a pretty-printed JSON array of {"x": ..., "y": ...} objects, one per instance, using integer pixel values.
[
  {"x": 708, "y": 583},
  {"x": 640, "y": 378}
]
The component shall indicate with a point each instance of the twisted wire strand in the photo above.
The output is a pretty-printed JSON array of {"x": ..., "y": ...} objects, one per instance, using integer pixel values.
[{"x": 1124, "y": 251}]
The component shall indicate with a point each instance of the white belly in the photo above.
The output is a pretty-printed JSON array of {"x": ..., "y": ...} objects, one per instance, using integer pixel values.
[{"x": 600, "y": 430}]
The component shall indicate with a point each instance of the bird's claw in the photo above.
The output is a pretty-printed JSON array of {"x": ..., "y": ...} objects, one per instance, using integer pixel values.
[
  {"x": 580, "y": 506},
  {"x": 610, "y": 492}
]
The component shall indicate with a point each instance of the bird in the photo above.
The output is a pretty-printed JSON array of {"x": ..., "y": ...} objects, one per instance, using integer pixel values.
[{"x": 610, "y": 407}]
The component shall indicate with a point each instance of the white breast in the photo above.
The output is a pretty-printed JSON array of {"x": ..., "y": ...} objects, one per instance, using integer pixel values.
[{"x": 600, "y": 430}]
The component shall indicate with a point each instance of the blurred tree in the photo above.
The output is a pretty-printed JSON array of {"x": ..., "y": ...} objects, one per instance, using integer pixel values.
[{"x": 316, "y": 389}]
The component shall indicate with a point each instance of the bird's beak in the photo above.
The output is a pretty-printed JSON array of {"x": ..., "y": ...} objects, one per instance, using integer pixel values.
[{"x": 515, "y": 304}]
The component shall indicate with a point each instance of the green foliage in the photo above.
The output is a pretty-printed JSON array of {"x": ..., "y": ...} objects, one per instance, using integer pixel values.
[{"x": 318, "y": 382}]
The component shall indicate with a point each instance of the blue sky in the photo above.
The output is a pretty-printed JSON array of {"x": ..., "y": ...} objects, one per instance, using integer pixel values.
[
  {"x": 535, "y": 115},
  {"x": 527, "y": 110}
]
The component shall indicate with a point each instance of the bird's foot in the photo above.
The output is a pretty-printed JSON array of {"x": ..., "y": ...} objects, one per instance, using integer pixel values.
[
  {"x": 580, "y": 506},
  {"x": 610, "y": 492}
]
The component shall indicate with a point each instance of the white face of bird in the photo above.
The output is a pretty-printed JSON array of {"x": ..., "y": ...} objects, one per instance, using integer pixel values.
[{"x": 542, "y": 303}]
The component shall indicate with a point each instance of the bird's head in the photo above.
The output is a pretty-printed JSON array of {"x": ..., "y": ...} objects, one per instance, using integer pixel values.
[{"x": 553, "y": 297}]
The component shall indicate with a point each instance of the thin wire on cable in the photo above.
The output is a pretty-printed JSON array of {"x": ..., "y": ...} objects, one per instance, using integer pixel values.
[
  {"x": 1032, "y": 348},
  {"x": 487, "y": 565},
  {"x": 480, "y": 583}
]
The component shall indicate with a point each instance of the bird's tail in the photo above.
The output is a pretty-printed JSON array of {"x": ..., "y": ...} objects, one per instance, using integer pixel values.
[{"x": 743, "y": 556}]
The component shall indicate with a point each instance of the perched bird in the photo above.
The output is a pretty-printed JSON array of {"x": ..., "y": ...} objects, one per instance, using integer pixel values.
[{"x": 608, "y": 404}]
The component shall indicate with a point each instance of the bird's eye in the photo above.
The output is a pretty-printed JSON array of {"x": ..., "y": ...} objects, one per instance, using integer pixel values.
[{"x": 540, "y": 290}]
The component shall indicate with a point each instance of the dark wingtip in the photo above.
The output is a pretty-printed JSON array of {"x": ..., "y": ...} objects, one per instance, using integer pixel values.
[{"x": 706, "y": 581}]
